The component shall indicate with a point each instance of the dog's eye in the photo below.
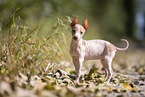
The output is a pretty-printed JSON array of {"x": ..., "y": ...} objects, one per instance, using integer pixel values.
[{"x": 81, "y": 32}]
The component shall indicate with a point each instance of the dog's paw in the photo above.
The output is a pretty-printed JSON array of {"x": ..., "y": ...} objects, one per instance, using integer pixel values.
[
  {"x": 76, "y": 81},
  {"x": 106, "y": 82}
]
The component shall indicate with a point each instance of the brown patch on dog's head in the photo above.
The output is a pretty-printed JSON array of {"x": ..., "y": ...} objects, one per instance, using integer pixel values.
[{"x": 112, "y": 48}]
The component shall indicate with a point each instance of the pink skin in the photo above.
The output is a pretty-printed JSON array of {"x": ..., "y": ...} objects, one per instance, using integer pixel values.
[{"x": 82, "y": 50}]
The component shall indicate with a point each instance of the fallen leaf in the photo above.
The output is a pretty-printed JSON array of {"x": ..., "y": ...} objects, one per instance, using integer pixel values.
[
  {"x": 91, "y": 72},
  {"x": 115, "y": 90},
  {"x": 127, "y": 86},
  {"x": 49, "y": 87}
]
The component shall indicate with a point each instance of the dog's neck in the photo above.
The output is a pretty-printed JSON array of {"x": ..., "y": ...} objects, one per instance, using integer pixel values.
[{"x": 76, "y": 42}]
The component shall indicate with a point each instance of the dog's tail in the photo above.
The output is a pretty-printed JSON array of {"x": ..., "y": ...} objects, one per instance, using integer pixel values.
[{"x": 122, "y": 49}]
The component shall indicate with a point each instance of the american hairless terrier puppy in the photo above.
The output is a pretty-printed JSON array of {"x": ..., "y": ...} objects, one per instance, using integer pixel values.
[{"x": 82, "y": 50}]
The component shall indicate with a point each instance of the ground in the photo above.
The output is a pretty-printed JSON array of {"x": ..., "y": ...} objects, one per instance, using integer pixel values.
[{"x": 128, "y": 79}]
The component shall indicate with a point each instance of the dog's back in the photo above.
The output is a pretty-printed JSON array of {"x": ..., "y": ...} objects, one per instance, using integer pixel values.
[{"x": 95, "y": 49}]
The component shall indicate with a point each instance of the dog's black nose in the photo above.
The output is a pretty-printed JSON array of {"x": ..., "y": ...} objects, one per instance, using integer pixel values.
[{"x": 75, "y": 38}]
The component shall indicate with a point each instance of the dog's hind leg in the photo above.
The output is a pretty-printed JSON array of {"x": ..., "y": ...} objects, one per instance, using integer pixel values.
[
  {"x": 108, "y": 63},
  {"x": 105, "y": 67}
]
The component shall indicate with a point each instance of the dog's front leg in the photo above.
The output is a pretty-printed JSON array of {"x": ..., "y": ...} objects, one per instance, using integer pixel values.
[{"x": 78, "y": 65}]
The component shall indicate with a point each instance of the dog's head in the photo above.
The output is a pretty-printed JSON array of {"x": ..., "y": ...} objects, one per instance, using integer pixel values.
[{"x": 77, "y": 29}]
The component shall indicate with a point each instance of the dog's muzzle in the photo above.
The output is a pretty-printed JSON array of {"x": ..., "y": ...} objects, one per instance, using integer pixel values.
[{"x": 75, "y": 38}]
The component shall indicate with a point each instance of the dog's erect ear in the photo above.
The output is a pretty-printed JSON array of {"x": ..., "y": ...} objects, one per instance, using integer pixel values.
[
  {"x": 75, "y": 21},
  {"x": 85, "y": 24}
]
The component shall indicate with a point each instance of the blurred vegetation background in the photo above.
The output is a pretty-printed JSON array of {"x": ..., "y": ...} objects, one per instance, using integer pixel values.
[
  {"x": 110, "y": 20},
  {"x": 35, "y": 38},
  {"x": 26, "y": 27}
]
